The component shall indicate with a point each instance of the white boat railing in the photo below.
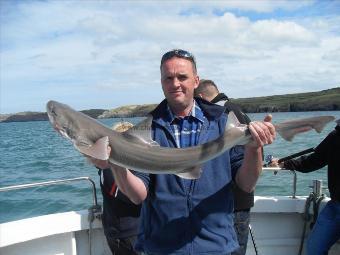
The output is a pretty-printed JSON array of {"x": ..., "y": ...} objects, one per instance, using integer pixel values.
[
  {"x": 277, "y": 169},
  {"x": 94, "y": 211},
  {"x": 266, "y": 205},
  {"x": 55, "y": 182}
]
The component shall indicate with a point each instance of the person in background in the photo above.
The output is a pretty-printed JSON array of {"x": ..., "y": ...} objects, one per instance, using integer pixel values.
[
  {"x": 191, "y": 216},
  {"x": 120, "y": 217},
  {"x": 243, "y": 201},
  {"x": 326, "y": 230}
]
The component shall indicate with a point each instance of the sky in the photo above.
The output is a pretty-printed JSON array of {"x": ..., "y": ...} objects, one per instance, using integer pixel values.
[{"x": 105, "y": 54}]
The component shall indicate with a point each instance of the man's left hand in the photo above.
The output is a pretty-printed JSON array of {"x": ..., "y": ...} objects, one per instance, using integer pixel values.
[{"x": 262, "y": 132}]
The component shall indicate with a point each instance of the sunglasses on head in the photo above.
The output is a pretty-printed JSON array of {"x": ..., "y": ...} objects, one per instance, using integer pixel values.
[{"x": 179, "y": 53}]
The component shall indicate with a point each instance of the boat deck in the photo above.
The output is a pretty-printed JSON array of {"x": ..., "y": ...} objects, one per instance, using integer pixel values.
[{"x": 277, "y": 226}]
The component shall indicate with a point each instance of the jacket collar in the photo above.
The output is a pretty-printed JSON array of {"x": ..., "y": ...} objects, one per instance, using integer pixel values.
[
  {"x": 195, "y": 112},
  {"x": 220, "y": 97},
  {"x": 210, "y": 111}
]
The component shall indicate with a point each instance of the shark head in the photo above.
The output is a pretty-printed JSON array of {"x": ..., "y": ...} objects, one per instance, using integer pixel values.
[{"x": 59, "y": 120}]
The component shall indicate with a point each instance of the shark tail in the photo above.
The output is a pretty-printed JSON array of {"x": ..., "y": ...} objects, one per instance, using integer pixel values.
[
  {"x": 316, "y": 123},
  {"x": 289, "y": 134}
]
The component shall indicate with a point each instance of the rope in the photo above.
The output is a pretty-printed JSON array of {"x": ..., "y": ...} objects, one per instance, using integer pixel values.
[
  {"x": 253, "y": 239},
  {"x": 315, "y": 200},
  {"x": 306, "y": 218}
]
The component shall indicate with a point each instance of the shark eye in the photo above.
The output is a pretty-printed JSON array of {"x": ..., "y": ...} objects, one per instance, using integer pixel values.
[{"x": 53, "y": 112}]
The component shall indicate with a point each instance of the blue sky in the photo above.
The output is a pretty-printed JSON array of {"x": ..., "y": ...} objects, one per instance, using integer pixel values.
[{"x": 105, "y": 54}]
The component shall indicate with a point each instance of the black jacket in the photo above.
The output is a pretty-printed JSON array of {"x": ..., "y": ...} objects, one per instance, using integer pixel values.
[
  {"x": 326, "y": 153},
  {"x": 242, "y": 199},
  {"x": 120, "y": 216}
]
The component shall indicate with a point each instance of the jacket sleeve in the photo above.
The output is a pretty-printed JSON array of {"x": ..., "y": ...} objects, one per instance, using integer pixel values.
[
  {"x": 236, "y": 158},
  {"x": 313, "y": 161}
]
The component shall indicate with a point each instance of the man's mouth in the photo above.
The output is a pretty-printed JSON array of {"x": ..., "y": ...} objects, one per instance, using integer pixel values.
[{"x": 176, "y": 92}]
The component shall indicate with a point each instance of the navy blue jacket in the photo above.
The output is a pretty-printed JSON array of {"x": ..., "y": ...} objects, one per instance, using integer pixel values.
[{"x": 191, "y": 216}]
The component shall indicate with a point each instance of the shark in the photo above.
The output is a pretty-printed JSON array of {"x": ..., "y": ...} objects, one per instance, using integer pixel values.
[{"x": 134, "y": 149}]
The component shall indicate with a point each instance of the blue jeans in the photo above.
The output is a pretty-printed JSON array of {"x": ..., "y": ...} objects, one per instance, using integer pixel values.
[
  {"x": 326, "y": 230},
  {"x": 241, "y": 225}
]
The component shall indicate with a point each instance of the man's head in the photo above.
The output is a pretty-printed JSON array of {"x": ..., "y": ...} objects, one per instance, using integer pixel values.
[
  {"x": 179, "y": 79},
  {"x": 179, "y": 54},
  {"x": 207, "y": 90}
]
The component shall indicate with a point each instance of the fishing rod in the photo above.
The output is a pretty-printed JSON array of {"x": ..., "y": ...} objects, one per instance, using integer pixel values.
[
  {"x": 295, "y": 155},
  {"x": 269, "y": 158}
]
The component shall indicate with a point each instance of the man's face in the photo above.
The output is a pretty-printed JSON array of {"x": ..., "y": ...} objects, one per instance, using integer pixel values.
[{"x": 178, "y": 82}]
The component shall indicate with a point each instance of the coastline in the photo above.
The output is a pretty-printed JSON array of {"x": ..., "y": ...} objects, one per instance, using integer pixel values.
[{"x": 325, "y": 100}]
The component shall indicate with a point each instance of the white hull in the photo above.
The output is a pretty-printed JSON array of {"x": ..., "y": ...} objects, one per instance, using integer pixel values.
[{"x": 277, "y": 226}]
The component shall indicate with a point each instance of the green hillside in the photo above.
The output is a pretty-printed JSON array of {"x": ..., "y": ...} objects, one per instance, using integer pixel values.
[{"x": 325, "y": 100}]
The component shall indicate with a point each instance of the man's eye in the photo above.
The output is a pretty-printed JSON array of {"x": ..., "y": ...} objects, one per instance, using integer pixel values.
[{"x": 182, "y": 77}]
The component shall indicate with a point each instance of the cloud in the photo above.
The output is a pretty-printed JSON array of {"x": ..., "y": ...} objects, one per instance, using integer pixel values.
[{"x": 104, "y": 49}]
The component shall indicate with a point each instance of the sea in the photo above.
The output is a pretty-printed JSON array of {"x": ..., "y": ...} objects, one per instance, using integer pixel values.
[{"x": 32, "y": 152}]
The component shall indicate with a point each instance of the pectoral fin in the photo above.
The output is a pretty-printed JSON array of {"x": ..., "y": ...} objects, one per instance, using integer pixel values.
[{"x": 99, "y": 150}]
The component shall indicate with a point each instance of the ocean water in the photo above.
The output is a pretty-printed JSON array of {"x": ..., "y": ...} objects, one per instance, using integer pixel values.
[{"x": 33, "y": 152}]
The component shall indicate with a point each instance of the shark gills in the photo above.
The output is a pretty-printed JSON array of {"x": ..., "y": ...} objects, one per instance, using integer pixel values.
[{"x": 134, "y": 149}]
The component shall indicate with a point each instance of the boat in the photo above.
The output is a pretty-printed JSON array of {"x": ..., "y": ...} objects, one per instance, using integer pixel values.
[{"x": 279, "y": 226}]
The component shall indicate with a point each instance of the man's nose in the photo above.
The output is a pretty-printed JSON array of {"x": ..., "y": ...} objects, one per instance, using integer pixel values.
[{"x": 176, "y": 82}]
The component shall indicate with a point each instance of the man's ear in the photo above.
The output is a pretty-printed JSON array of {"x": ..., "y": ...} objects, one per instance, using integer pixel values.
[{"x": 197, "y": 81}]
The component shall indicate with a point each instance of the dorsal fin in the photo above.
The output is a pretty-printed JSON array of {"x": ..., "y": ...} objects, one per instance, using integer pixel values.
[
  {"x": 142, "y": 131},
  {"x": 232, "y": 120}
]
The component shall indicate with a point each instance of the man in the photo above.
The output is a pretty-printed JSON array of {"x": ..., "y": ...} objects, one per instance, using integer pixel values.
[
  {"x": 243, "y": 201},
  {"x": 326, "y": 230},
  {"x": 120, "y": 217},
  {"x": 181, "y": 216}
]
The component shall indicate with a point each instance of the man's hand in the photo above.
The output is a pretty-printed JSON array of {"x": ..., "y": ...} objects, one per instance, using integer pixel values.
[
  {"x": 263, "y": 132},
  {"x": 105, "y": 164},
  {"x": 275, "y": 163}
]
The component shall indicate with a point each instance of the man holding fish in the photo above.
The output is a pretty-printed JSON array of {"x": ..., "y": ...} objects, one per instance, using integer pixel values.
[{"x": 191, "y": 216}]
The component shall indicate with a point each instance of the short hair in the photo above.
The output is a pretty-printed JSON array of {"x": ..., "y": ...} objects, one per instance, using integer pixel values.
[
  {"x": 179, "y": 54},
  {"x": 207, "y": 88},
  {"x": 122, "y": 126}
]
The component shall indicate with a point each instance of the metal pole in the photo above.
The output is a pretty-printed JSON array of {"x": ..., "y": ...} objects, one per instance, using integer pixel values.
[{"x": 55, "y": 182}]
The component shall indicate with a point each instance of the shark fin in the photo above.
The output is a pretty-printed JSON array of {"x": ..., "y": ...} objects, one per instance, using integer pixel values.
[
  {"x": 142, "y": 131},
  {"x": 191, "y": 173},
  {"x": 288, "y": 135},
  {"x": 232, "y": 120},
  {"x": 98, "y": 150},
  {"x": 319, "y": 126}
]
